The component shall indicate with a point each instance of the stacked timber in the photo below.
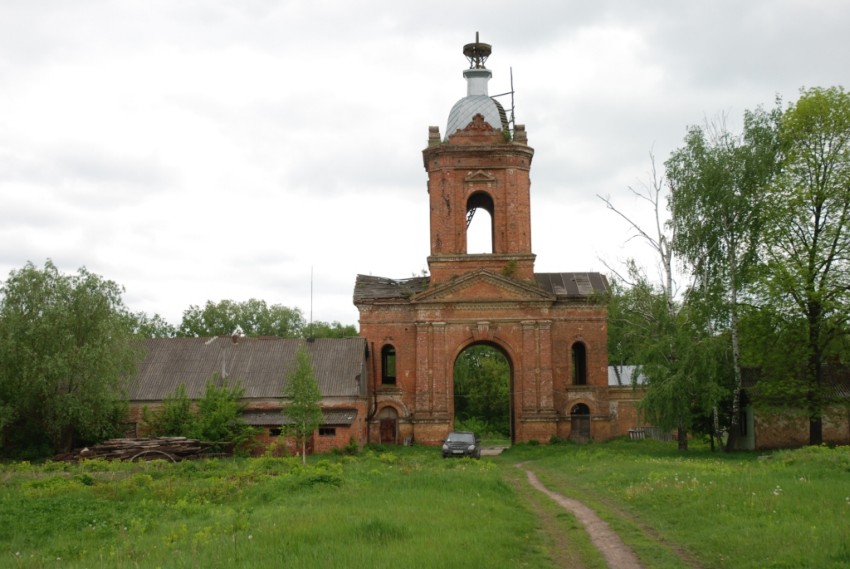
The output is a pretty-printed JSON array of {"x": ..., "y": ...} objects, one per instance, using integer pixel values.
[{"x": 169, "y": 448}]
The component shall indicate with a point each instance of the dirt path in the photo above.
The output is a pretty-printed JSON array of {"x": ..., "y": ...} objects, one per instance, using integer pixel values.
[{"x": 616, "y": 553}]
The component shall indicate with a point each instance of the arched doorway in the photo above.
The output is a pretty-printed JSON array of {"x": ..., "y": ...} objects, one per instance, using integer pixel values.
[
  {"x": 388, "y": 421},
  {"x": 482, "y": 391},
  {"x": 580, "y": 423}
]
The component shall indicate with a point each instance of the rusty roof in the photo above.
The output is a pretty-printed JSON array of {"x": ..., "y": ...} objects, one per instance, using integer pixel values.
[{"x": 262, "y": 364}]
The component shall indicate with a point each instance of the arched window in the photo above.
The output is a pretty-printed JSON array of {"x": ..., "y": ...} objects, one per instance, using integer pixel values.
[
  {"x": 388, "y": 365},
  {"x": 479, "y": 224},
  {"x": 579, "y": 356}
]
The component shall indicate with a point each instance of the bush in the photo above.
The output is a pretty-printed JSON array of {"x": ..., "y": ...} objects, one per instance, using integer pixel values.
[{"x": 218, "y": 417}]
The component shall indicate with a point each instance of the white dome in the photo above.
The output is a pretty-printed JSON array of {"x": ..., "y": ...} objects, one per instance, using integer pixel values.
[
  {"x": 477, "y": 101},
  {"x": 463, "y": 111}
]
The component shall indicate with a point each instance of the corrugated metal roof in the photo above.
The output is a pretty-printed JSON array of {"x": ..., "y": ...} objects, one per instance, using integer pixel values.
[
  {"x": 261, "y": 364},
  {"x": 577, "y": 285}
]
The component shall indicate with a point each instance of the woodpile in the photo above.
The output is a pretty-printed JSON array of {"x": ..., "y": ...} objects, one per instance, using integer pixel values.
[{"x": 167, "y": 448}]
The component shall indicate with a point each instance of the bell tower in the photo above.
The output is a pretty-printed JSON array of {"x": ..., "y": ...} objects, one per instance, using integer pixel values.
[
  {"x": 480, "y": 164},
  {"x": 550, "y": 327}
]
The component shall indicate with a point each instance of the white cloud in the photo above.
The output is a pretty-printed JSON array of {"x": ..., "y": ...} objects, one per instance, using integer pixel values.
[{"x": 198, "y": 151}]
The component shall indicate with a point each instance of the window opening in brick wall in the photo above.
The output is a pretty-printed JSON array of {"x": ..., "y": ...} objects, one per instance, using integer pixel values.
[
  {"x": 388, "y": 365},
  {"x": 327, "y": 431},
  {"x": 579, "y": 356}
]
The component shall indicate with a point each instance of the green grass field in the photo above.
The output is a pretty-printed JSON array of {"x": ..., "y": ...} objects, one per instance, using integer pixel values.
[{"x": 406, "y": 507}]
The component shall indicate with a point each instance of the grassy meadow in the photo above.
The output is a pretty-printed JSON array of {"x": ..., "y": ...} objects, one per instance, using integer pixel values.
[{"x": 406, "y": 507}]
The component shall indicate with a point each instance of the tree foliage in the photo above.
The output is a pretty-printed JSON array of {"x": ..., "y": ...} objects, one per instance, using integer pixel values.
[
  {"x": 302, "y": 405},
  {"x": 683, "y": 366},
  {"x": 761, "y": 223},
  {"x": 252, "y": 318},
  {"x": 215, "y": 417},
  {"x": 807, "y": 250},
  {"x": 333, "y": 329},
  {"x": 219, "y": 416},
  {"x": 717, "y": 182},
  {"x": 482, "y": 388},
  {"x": 65, "y": 355},
  {"x": 144, "y": 325},
  {"x": 174, "y": 418}
]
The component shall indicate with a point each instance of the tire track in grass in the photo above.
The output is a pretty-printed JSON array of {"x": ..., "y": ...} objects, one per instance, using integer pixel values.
[{"x": 616, "y": 553}]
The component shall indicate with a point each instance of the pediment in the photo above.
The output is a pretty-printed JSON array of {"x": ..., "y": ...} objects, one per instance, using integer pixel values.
[
  {"x": 479, "y": 176},
  {"x": 484, "y": 286}
]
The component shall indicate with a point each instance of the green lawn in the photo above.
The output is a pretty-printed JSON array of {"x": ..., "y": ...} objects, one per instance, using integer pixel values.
[
  {"x": 784, "y": 509},
  {"x": 406, "y": 507}
]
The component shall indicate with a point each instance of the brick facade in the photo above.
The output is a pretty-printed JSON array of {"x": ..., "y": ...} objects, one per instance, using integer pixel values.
[{"x": 535, "y": 320}]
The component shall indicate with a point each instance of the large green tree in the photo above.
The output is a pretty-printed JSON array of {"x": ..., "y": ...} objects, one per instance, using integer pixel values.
[
  {"x": 252, "y": 318},
  {"x": 333, "y": 329},
  {"x": 645, "y": 325},
  {"x": 717, "y": 182},
  {"x": 807, "y": 247},
  {"x": 66, "y": 352},
  {"x": 302, "y": 405},
  {"x": 680, "y": 361},
  {"x": 144, "y": 325}
]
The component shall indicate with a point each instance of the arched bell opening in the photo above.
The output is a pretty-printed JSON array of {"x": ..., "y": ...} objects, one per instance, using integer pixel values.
[{"x": 480, "y": 230}]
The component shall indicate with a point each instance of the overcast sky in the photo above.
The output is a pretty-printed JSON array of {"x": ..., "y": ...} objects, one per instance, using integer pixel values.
[{"x": 202, "y": 150}]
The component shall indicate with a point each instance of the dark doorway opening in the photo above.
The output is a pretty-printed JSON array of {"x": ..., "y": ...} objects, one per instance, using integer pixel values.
[
  {"x": 580, "y": 423},
  {"x": 388, "y": 426}
]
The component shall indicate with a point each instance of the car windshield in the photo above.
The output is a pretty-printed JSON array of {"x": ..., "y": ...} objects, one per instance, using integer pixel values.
[{"x": 461, "y": 438}]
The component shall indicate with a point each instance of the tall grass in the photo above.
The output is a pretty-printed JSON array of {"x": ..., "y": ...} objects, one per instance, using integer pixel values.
[
  {"x": 784, "y": 509},
  {"x": 408, "y": 507},
  {"x": 380, "y": 510}
]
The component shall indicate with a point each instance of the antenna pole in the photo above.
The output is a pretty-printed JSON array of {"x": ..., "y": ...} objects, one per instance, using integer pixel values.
[
  {"x": 310, "y": 327},
  {"x": 513, "y": 122}
]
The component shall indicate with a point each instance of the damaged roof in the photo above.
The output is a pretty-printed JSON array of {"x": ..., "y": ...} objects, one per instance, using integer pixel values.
[
  {"x": 261, "y": 364},
  {"x": 563, "y": 285},
  {"x": 367, "y": 287},
  {"x": 574, "y": 285}
]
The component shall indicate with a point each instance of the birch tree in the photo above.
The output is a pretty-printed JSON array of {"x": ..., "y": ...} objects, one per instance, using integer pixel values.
[{"x": 717, "y": 182}]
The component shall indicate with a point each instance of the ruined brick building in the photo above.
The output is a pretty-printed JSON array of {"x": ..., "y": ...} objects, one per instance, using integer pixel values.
[{"x": 551, "y": 327}]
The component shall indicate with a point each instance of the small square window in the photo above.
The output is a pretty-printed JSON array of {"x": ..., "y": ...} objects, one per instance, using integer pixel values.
[
  {"x": 274, "y": 432},
  {"x": 327, "y": 431}
]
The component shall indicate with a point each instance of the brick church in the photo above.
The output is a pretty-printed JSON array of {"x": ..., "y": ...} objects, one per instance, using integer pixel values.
[{"x": 551, "y": 327}]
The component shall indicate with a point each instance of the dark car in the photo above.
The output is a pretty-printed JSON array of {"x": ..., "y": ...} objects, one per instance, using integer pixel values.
[{"x": 462, "y": 444}]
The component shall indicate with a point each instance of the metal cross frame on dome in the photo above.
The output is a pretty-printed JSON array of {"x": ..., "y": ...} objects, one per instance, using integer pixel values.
[{"x": 477, "y": 53}]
